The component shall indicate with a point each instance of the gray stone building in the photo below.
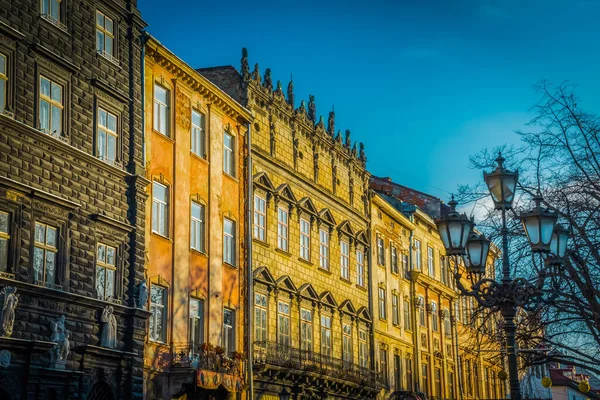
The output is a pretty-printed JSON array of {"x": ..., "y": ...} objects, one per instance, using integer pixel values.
[{"x": 72, "y": 195}]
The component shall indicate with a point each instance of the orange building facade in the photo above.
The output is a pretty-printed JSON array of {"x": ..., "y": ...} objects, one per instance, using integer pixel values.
[{"x": 195, "y": 145}]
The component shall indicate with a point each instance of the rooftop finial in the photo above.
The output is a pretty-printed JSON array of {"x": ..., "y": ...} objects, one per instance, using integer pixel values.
[
  {"x": 256, "y": 73},
  {"x": 245, "y": 69},
  {"x": 268, "y": 83},
  {"x": 290, "y": 92},
  {"x": 312, "y": 108},
  {"x": 331, "y": 123}
]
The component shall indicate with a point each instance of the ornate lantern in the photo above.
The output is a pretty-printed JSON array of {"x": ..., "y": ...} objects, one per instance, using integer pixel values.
[
  {"x": 539, "y": 226},
  {"x": 284, "y": 394},
  {"x": 478, "y": 247},
  {"x": 454, "y": 230},
  {"x": 502, "y": 184}
]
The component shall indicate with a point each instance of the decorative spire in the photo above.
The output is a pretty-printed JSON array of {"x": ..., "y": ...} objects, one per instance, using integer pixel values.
[
  {"x": 279, "y": 89},
  {"x": 268, "y": 82},
  {"x": 321, "y": 124},
  {"x": 338, "y": 137},
  {"x": 245, "y": 66},
  {"x": 312, "y": 108},
  {"x": 302, "y": 107},
  {"x": 290, "y": 92},
  {"x": 354, "y": 151},
  {"x": 362, "y": 156},
  {"x": 256, "y": 73},
  {"x": 348, "y": 141},
  {"x": 331, "y": 123}
]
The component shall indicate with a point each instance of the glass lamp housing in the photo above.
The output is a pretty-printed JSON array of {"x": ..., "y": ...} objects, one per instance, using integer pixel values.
[
  {"x": 454, "y": 230},
  {"x": 558, "y": 244},
  {"x": 539, "y": 226},
  {"x": 284, "y": 394},
  {"x": 502, "y": 185},
  {"x": 478, "y": 248}
]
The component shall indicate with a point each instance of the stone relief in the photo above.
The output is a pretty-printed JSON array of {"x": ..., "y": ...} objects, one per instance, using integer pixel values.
[
  {"x": 108, "y": 338},
  {"x": 142, "y": 295},
  {"x": 9, "y": 303},
  {"x": 62, "y": 347},
  {"x": 5, "y": 358}
]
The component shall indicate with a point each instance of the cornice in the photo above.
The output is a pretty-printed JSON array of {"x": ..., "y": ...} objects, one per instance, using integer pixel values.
[
  {"x": 392, "y": 211},
  {"x": 37, "y": 193},
  {"x": 103, "y": 85},
  {"x": 9, "y": 30},
  {"x": 68, "y": 64},
  {"x": 112, "y": 222},
  {"x": 193, "y": 79}
]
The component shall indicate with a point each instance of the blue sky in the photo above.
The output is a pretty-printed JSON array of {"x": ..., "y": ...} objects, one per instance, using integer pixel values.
[{"x": 424, "y": 83}]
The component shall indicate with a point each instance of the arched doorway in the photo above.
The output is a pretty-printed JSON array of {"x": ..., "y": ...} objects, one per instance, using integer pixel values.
[{"x": 100, "y": 391}]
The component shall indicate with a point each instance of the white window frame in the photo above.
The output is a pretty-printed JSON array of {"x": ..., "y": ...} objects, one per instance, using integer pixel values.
[
  {"x": 283, "y": 228},
  {"x": 197, "y": 227},
  {"x": 382, "y": 303},
  {"x": 198, "y": 134},
  {"x": 395, "y": 309},
  {"x": 422, "y": 318},
  {"x": 102, "y": 149},
  {"x": 229, "y": 155},
  {"x": 160, "y": 207},
  {"x": 4, "y": 240},
  {"x": 260, "y": 218},
  {"x": 229, "y": 242},
  {"x": 360, "y": 268},
  {"x": 363, "y": 349},
  {"x": 305, "y": 239},
  {"x": 394, "y": 258},
  {"x": 3, "y": 82},
  {"x": 306, "y": 330},
  {"x": 434, "y": 317},
  {"x": 160, "y": 108},
  {"x": 106, "y": 35},
  {"x": 326, "y": 338},
  {"x": 46, "y": 250},
  {"x": 284, "y": 327},
  {"x": 229, "y": 332},
  {"x": 50, "y": 5},
  {"x": 104, "y": 266},
  {"x": 345, "y": 260},
  {"x": 153, "y": 334},
  {"x": 419, "y": 255},
  {"x": 430, "y": 263},
  {"x": 407, "y": 320},
  {"x": 261, "y": 318},
  {"x": 380, "y": 251},
  {"x": 196, "y": 321},
  {"x": 347, "y": 351},
  {"x": 324, "y": 241}
]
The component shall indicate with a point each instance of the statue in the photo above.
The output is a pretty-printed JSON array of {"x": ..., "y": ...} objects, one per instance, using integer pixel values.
[
  {"x": 348, "y": 141},
  {"x": 331, "y": 123},
  {"x": 312, "y": 108},
  {"x": 354, "y": 151},
  {"x": 268, "y": 81},
  {"x": 60, "y": 337},
  {"x": 279, "y": 89},
  {"x": 11, "y": 299},
  {"x": 273, "y": 139},
  {"x": 338, "y": 137},
  {"x": 290, "y": 93},
  {"x": 245, "y": 66},
  {"x": 302, "y": 107},
  {"x": 256, "y": 73},
  {"x": 363, "y": 157},
  {"x": 142, "y": 299},
  {"x": 108, "y": 338}
]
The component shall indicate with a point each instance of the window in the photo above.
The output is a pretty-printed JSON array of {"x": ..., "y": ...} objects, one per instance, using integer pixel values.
[
  {"x": 421, "y": 311},
  {"x": 197, "y": 227},
  {"x": 383, "y": 365},
  {"x": 228, "y": 330},
  {"x": 283, "y": 323},
  {"x": 345, "y": 260},
  {"x": 380, "y": 251},
  {"x": 394, "y": 259},
  {"x": 443, "y": 271},
  {"x": 347, "y": 355},
  {"x": 198, "y": 134},
  {"x": 51, "y": 106},
  {"x": 425, "y": 375},
  {"x": 360, "y": 268},
  {"x": 323, "y": 249},
  {"x": 407, "y": 315},
  {"x": 45, "y": 253},
  {"x": 397, "y": 372},
  {"x": 105, "y": 35},
  {"x": 418, "y": 254},
  {"x": 409, "y": 378},
  {"x": 105, "y": 271},
  {"x": 228, "y": 155},
  {"x": 260, "y": 319},
  {"x": 326, "y": 336},
  {"x": 3, "y": 82},
  {"x": 438, "y": 382},
  {"x": 451, "y": 386},
  {"x": 229, "y": 241},
  {"x": 196, "y": 324},
  {"x": 282, "y": 228},
  {"x": 363, "y": 353},
  {"x": 382, "y": 305},
  {"x": 51, "y": 10},
  {"x": 4, "y": 240},
  {"x": 434, "y": 316},
  {"x": 395, "y": 312},
  {"x": 158, "y": 304},
  {"x": 160, "y": 209},
  {"x": 430, "y": 265},
  {"x": 161, "y": 109},
  {"x": 304, "y": 239},
  {"x": 306, "y": 330},
  {"x": 405, "y": 266},
  {"x": 107, "y": 136},
  {"x": 447, "y": 323},
  {"x": 260, "y": 217}
]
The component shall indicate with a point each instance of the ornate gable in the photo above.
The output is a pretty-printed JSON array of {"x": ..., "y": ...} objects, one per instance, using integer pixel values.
[
  {"x": 347, "y": 308},
  {"x": 307, "y": 205},
  {"x": 262, "y": 275},
  {"x": 308, "y": 292},
  {"x": 363, "y": 314},
  {"x": 362, "y": 238},
  {"x": 262, "y": 181},
  {"x": 326, "y": 216},
  {"x": 285, "y": 283},
  {"x": 346, "y": 229},
  {"x": 284, "y": 192},
  {"x": 328, "y": 300}
]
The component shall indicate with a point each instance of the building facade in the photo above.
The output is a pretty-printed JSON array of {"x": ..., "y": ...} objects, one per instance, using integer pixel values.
[
  {"x": 310, "y": 246},
  {"x": 195, "y": 139},
  {"x": 72, "y": 200}
]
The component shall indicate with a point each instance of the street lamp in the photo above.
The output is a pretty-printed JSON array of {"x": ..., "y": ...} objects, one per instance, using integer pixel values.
[
  {"x": 544, "y": 237},
  {"x": 284, "y": 394}
]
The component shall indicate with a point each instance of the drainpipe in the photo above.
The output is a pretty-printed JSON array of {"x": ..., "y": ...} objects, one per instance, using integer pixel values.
[
  {"x": 413, "y": 296},
  {"x": 249, "y": 271},
  {"x": 370, "y": 286}
]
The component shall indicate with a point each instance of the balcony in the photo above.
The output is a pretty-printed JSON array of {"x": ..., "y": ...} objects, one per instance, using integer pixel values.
[{"x": 336, "y": 375}]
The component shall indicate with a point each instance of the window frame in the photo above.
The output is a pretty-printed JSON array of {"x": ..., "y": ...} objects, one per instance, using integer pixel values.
[
  {"x": 284, "y": 324},
  {"x": 201, "y": 323},
  {"x": 106, "y": 266},
  {"x": 394, "y": 259},
  {"x": 60, "y": 21},
  {"x": 363, "y": 349},
  {"x": 116, "y": 134},
  {"x": 347, "y": 345},
  {"x": 232, "y": 159},
  {"x": 261, "y": 331},
  {"x": 111, "y": 56},
  {"x": 44, "y": 247},
  {"x": 419, "y": 255},
  {"x": 230, "y": 329},
  {"x": 324, "y": 248},
  {"x": 283, "y": 228},
  {"x": 232, "y": 261},
  {"x": 61, "y": 105},
  {"x": 434, "y": 317},
  {"x": 306, "y": 330},
  {"x": 380, "y": 251},
  {"x": 200, "y": 131},
  {"x": 345, "y": 260},
  {"x": 167, "y": 214},
  {"x": 383, "y": 365},
  {"x": 201, "y": 223},
  {"x": 7, "y": 236},
  {"x": 5, "y": 80},
  {"x": 164, "y": 307},
  {"x": 305, "y": 239},
  {"x": 326, "y": 340},
  {"x": 407, "y": 316},
  {"x": 360, "y": 268},
  {"x": 430, "y": 262},
  {"x": 395, "y": 310},
  {"x": 157, "y": 106},
  {"x": 382, "y": 301},
  {"x": 422, "y": 317}
]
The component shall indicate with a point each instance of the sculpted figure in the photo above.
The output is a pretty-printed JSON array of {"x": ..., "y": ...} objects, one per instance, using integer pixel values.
[
  {"x": 331, "y": 123},
  {"x": 60, "y": 336},
  {"x": 142, "y": 299},
  {"x": 245, "y": 65},
  {"x": 312, "y": 108},
  {"x": 108, "y": 338},
  {"x": 11, "y": 299},
  {"x": 290, "y": 93},
  {"x": 268, "y": 83}
]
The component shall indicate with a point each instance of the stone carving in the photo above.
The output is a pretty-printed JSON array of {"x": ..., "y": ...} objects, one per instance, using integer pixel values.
[
  {"x": 142, "y": 295},
  {"x": 268, "y": 83},
  {"x": 290, "y": 93},
  {"x": 256, "y": 73},
  {"x": 4, "y": 358},
  {"x": 362, "y": 156},
  {"x": 351, "y": 190},
  {"x": 273, "y": 138},
  {"x": 354, "y": 151},
  {"x": 296, "y": 142},
  {"x": 245, "y": 66},
  {"x": 62, "y": 347},
  {"x": 302, "y": 108},
  {"x": 108, "y": 338},
  {"x": 184, "y": 110},
  {"x": 338, "y": 138},
  {"x": 279, "y": 89},
  {"x": 331, "y": 123},
  {"x": 348, "y": 141},
  {"x": 312, "y": 108},
  {"x": 334, "y": 177},
  {"x": 316, "y": 165},
  {"x": 9, "y": 303}
]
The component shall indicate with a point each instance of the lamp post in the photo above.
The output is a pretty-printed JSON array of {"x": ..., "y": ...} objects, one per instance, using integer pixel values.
[{"x": 544, "y": 235}]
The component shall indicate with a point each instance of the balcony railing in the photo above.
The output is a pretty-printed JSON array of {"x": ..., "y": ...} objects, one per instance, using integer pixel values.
[
  {"x": 187, "y": 355},
  {"x": 283, "y": 356}
]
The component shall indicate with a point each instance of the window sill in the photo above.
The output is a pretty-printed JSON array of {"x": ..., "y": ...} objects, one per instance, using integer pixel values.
[
  {"x": 233, "y": 178},
  {"x": 163, "y": 135},
  {"x": 383, "y": 319},
  {"x": 361, "y": 287},
  {"x": 57, "y": 24},
  {"x": 283, "y": 252},
  {"x": 305, "y": 261},
  {"x": 199, "y": 157},
  {"x": 198, "y": 252},
  {"x": 229, "y": 265},
  {"x": 109, "y": 58},
  {"x": 345, "y": 280},
  {"x": 323, "y": 270},
  {"x": 161, "y": 236},
  {"x": 261, "y": 243}
]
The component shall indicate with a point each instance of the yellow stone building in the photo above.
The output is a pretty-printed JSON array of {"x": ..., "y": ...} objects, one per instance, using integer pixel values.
[
  {"x": 195, "y": 144},
  {"x": 310, "y": 246},
  {"x": 426, "y": 336}
]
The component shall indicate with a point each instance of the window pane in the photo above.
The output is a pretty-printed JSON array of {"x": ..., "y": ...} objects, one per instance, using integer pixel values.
[
  {"x": 50, "y": 264},
  {"x": 100, "y": 271},
  {"x": 102, "y": 253},
  {"x": 45, "y": 7},
  {"x": 112, "y": 122},
  {"x": 159, "y": 192},
  {"x": 56, "y": 93},
  {"x": 108, "y": 25},
  {"x": 44, "y": 115},
  {"x": 160, "y": 94},
  {"x": 4, "y": 222},
  {"x": 99, "y": 19},
  {"x": 111, "y": 148},
  {"x": 3, "y": 254},
  {"x": 99, "y": 41},
  {"x": 155, "y": 216},
  {"x": 40, "y": 233},
  {"x": 45, "y": 86},
  {"x": 196, "y": 120},
  {"x": 163, "y": 118},
  {"x": 38, "y": 263},
  {"x": 110, "y": 283},
  {"x": 56, "y": 120},
  {"x": 196, "y": 210},
  {"x": 2, "y": 94},
  {"x": 109, "y": 45},
  {"x": 51, "y": 236},
  {"x": 110, "y": 256}
]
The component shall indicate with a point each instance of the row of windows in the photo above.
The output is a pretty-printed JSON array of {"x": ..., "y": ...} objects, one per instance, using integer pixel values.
[
  {"x": 283, "y": 218},
  {"x": 160, "y": 223},
  {"x": 306, "y": 332}
]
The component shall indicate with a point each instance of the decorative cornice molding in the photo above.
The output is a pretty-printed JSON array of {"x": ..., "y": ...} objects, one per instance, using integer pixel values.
[
  {"x": 55, "y": 57},
  {"x": 40, "y": 194},
  {"x": 123, "y": 226},
  {"x": 106, "y": 87}
]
